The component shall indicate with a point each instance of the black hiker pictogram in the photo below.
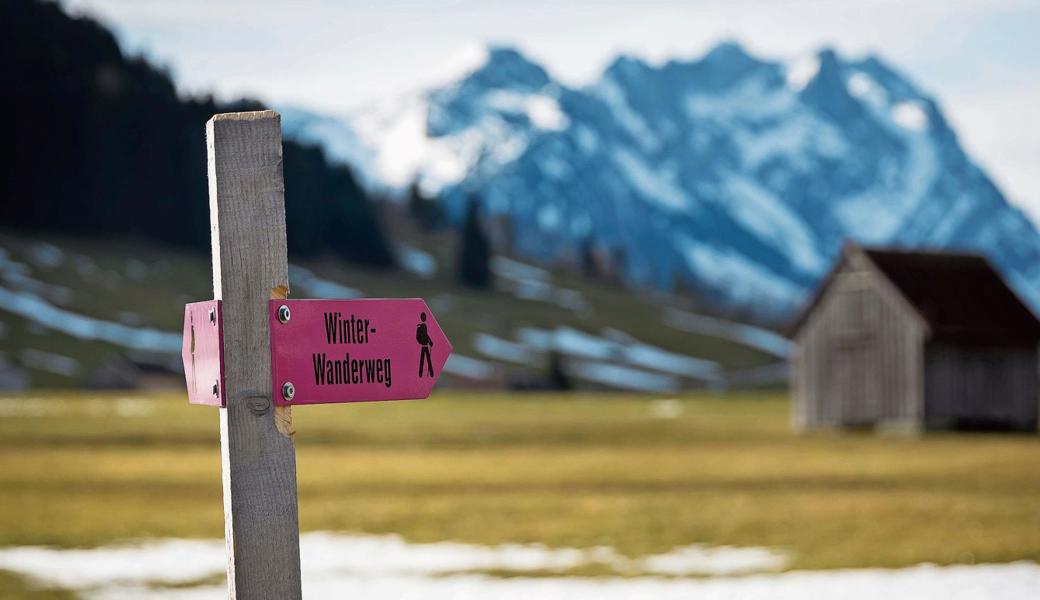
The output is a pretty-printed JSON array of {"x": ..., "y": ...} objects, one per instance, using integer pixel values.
[{"x": 423, "y": 337}]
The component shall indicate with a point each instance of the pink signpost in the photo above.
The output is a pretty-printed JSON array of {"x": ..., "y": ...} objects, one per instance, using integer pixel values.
[
  {"x": 330, "y": 351},
  {"x": 307, "y": 351},
  {"x": 326, "y": 351}
]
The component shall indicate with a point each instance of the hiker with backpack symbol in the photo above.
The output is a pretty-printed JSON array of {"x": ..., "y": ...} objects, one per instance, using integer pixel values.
[{"x": 423, "y": 337}]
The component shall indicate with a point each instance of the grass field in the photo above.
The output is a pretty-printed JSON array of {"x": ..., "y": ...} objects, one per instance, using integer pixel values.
[{"x": 636, "y": 473}]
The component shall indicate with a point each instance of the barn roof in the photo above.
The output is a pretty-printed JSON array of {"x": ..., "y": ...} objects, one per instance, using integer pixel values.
[{"x": 960, "y": 296}]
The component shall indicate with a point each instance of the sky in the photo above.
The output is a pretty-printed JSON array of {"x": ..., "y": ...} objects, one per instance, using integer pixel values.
[{"x": 980, "y": 59}]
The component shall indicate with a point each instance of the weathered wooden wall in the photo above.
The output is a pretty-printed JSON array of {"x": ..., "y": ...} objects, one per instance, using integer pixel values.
[
  {"x": 859, "y": 355},
  {"x": 981, "y": 388}
]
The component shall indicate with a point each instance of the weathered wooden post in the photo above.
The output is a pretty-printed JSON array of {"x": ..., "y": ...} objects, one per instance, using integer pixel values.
[
  {"x": 254, "y": 353},
  {"x": 247, "y": 221}
]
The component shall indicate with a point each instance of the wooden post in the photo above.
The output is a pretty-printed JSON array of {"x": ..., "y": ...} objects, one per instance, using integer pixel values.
[{"x": 247, "y": 221}]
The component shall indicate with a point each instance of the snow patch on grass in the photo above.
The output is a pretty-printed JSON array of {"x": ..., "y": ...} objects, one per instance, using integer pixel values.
[
  {"x": 58, "y": 364},
  {"x": 350, "y": 560},
  {"x": 470, "y": 368},
  {"x": 528, "y": 282},
  {"x": 625, "y": 378},
  {"x": 385, "y": 567},
  {"x": 46, "y": 255},
  {"x": 39, "y": 311},
  {"x": 418, "y": 262},
  {"x": 645, "y": 367},
  {"x": 749, "y": 335},
  {"x": 496, "y": 347},
  {"x": 321, "y": 288}
]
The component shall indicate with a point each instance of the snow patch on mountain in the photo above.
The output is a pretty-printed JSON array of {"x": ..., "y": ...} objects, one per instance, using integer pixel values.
[
  {"x": 751, "y": 101},
  {"x": 912, "y": 183},
  {"x": 612, "y": 94},
  {"x": 339, "y": 140},
  {"x": 736, "y": 277},
  {"x": 763, "y": 213},
  {"x": 542, "y": 110},
  {"x": 654, "y": 186},
  {"x": 801, "y": 71},
  {"x": 400, "y": 148},
  {"x": 795, "y": 139},
  {"x": 863, "y": 87},
  {"x": 911, "y": 116}
]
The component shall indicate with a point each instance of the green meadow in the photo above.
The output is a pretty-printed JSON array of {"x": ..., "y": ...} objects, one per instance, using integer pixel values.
[{"x": 638, "y": 473}]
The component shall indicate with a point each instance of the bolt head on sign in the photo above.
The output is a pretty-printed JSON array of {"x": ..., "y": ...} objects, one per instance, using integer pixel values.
[{"x": 330, "y": 351}]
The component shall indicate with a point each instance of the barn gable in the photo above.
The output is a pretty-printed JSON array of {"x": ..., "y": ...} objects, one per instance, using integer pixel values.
[
  {"x": 858, "y": 351},
  {"x": 854, "y": 259}
]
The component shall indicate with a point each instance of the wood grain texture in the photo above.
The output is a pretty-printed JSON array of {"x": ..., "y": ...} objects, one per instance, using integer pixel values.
[{"x": 247, "y": 220}]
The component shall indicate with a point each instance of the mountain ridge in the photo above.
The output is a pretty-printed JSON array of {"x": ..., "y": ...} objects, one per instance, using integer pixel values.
[{"x": 732, "y": 175}]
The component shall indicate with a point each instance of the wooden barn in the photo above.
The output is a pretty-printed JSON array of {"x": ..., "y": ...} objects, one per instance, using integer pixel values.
[{"x": 915, "y": 340}]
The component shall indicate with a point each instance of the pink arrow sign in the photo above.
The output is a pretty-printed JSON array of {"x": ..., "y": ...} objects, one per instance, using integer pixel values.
[{"x": 329, "y": 351}]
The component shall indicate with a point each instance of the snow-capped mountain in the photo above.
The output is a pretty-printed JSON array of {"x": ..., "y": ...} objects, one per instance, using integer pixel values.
[{"x": 731, "y": 174}]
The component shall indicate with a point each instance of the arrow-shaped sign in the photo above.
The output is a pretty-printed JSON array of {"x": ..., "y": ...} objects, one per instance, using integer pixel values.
[{"x": 329, "y": 351}]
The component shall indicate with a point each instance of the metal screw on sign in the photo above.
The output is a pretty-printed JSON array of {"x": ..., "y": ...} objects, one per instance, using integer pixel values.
[
  {"x": 283, "y": 314},
  {"x": 213, "y": 316},
  {"x": 216, "y": 389},
  {"x": 288, "y": 391}
]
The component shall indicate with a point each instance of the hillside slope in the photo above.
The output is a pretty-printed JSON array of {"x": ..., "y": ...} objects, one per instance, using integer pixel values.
[{"x": 77, "y": 312}]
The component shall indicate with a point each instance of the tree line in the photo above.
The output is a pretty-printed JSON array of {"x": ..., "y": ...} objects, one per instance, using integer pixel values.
[{"x": 100, "y": 144}]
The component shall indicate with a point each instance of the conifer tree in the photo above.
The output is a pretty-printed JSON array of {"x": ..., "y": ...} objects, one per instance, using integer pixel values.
[
  {"x": 425, "y": 210},
  {"x": 474, "y": 250},
  {"x": 558, "y": 377},
  {"x": 107, "y": 148}
]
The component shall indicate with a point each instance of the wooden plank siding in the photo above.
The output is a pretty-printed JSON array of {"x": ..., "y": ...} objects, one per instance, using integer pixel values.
[
  {"x": 981, "y": 387},
  {"x": 859, "y": 356}
]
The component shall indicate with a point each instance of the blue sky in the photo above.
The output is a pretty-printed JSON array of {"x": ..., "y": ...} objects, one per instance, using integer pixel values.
[{"x": 981, "y": 59}]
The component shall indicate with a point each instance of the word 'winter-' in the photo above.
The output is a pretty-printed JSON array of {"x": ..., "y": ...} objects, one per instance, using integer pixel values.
[{"x": 346, "y": 331}]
